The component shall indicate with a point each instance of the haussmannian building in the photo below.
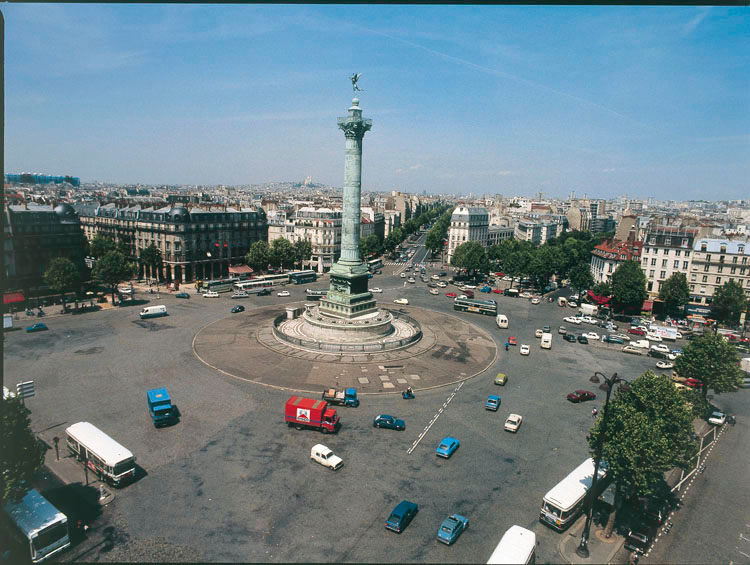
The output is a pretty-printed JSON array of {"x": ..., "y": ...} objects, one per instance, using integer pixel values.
[
  {"x": 467, "y": 224},
  {"x": 322, "y": 228},
  {"x": 715, "y": 262},
  {"x": 666, "y": 251}
]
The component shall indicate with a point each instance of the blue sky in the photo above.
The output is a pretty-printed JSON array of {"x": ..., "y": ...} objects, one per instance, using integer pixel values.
[{"x": 604, "y": 101}]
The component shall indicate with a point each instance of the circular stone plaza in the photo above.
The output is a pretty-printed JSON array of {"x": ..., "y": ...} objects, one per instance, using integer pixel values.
[{"x": 347, "y": 340}]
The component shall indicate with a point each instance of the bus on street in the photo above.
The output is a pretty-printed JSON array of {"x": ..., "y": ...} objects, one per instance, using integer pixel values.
[
  {"x": 100, "y": 453},
  {"x": 487, "y": 307},
  {"x": 564, "y": 503},
  {"x": 375, "y": 264},
  {"x": 41, "y": 528},
  {"x": 223, "y": 285},
  {"x": 302, "y": 277}
]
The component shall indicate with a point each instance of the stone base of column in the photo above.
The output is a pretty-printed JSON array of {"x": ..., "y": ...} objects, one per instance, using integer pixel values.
[{"x": 348, "y": 296}]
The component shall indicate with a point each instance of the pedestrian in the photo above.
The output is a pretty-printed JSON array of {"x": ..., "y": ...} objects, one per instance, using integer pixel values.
[
  {"x": 506, "y": 346},
  {"x": 594, "y": 412}
]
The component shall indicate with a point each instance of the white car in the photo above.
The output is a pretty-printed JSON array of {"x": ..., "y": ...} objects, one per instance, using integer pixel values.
[
  {"x": 507, "y": 278},
  {"x": 623, "y": 337},
  {"x": 536, "y": 301},
  {"x": 441, "y": 284},
  {"x": 573, "y": 304},
  {"x": 538, "y": 333},
  {"x": 588, "y": 320},
  {"x": 642, "y": 343},
  {"x": 283, "y": 293},
  {"x": 241, "y": 294},
  {"x": 513, "y": 423},
  {"x": 573, "y": 297},
  {"x": 469, "y": 286},
  {"x": 660, "y": 347},
  {"x": 401, "y": 301},
  {"x": 679, "y": 336},
  {"x": 592, "y": 335},
  {"x": 664, "y": 365},
  {"x": 436, "y": 278},
  {"x": 525, "y": 295},
  {"x": 434, "y": 291},
  {"x": 376, "y": 289},
  {"x": 717, "y": 418},
  {"x": 654, "y": 337},
  {"x": 572, "y": 320},
  {"x": 211, "y": 294},
  {"x": 403, "y": 275},
  {"x": 321, "y": 454},
  {"x": 411, "y": 280},
  {"x": 525, "y": 349}
]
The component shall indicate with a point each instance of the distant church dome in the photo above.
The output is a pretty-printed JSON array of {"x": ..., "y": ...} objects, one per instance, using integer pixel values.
[{"x": 179, "y": 214}]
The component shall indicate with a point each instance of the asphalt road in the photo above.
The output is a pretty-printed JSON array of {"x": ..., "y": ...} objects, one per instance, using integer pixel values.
[{"x": 231, "y": 482}]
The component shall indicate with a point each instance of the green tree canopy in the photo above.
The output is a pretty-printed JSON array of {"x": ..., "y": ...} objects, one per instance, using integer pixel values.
[
  {"x": 112, "y": 269},
  {"x": 62, "y": 275},
  {"x": 258, "y": 256},
  {"x": 368, "y": 245},
  {"x": 580, "y": 276},
  {"x": 629, "y": 285},
  {"x": 390, "y": 243},
  {"x": 712, "y": 360},
  {"x": 674, "y": 292},
  {"x": 648, "y": 432},
  {"x": 101, "y": 245},
  {"x": 282, "y": 253},
  {"x": 21, "y": 454},
  {"x": 151, "y": 257},
  {"x": 545, "y": 262},
  {"x": 602, "y": 289},
  {"x": 729, "y": 301},
  {"x": 302, "y": 251},
  {"x": 470, "y": 256}
]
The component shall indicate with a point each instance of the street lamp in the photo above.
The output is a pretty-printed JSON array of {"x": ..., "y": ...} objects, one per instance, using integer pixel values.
[{"x": 609, "y": 382}]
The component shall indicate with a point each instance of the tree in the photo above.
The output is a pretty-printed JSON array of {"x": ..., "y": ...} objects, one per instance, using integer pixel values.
[
  {"x": 62, "y": 276},
  {"x": 712, "y": 360},
  {"x": 580, "y": 276},
  {"x": 302, "y": 251},
  {"x": 282, "y": 253},
  {"x": 674, "y": 292},
  {"x": 21, "y": 454},
  {"x": 258, "y": 256},
  {"x": 629, "y": 286},
  {"x": 470, "y": 256},
  {"x": 390, "y": 243},
  {"x": 101, "y": 245},
  {"x": 648, "y": 432},
  {"x": 729, "y": 301},
  {"x": 602, "y": 289},
  {"x": 151, "y": 258},
  {"x": 434, "y": 241},
  {"x": 544, "y": 263},
  {"x": 112, "y": 269},
  {"x": 517, "y": 265}
]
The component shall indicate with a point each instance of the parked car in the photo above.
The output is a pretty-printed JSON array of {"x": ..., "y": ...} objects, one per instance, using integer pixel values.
[
  {"x": 38, "y": 327},
  {"x": 535, "y": 301},
  {"x": 450, "y": 294},
  {"x": 636, "y": 331},
  {"x": 570, "y": 337},
  {"x": 582, "y": 338},
  {"x": 497, "y": 290},
  {"x": 403, "y": 275},
  {"x": 238, "y": 308},
  {"x": 264, "y": 292},
  {"x": 452, "y": 527},
  {"x": 513, "y": 423},
  {"x": 525, "y": 295},
  {"x": 401, "y": 301},
  {"x": 573, "y": 304},
  {"x": 401, "y": 516},
  {"x": 642, "y": 343},
  {"x": 581, "y": 396},
  {"x": 321, "y": 454},
  {"x": 592, "y": 335},
  {"x": 485, "y": 289},
  {"x": 538, "y": 333},
  {"x": 447, "y": 447},
  {"x": 501, "y": 379},
  {"x": 211, "y": 294},
  {"x": 562, "y": 330},
  {"x": 638, "y": 541},
  {"x": 525, "y": 349},
  {"x": 613, "y": 339},
  {"x": 572, "y": 320},
  {"x": 493, "y": 402},
  {"x": 622, "y": 336},
  {"x": 182, "y": 295},
  {"x": 389, "y": 422},
  {"x": 660, "y": 347},
  {"x": 376, "y": 290},
  {"x": 434, "y": 291},
  {"x": 632, "y": 349},
  {"x": 441, "y": 284}
]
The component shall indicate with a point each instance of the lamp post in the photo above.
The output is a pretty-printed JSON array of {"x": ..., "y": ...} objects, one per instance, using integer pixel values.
[{"x": 609, "y": 382}]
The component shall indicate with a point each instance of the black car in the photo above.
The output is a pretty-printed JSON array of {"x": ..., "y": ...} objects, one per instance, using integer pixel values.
[
  {"x": 264, "y": 292},
  {"x": 657, "y": 354},
  {"x": 182, "y": 295},
  {"x": 583, "y": 339},
  {"x": 238, "y": 308},
  {"x": 386, "y": 421},
  {"x": 639, "y": 539},
  {"x": 569, "y": 337},
  {"x": 401, "y": 516},
  {"x": 378, "y": 272}
]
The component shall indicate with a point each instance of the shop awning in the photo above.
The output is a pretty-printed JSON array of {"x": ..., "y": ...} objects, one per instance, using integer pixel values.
[
  {"x": 648, "y": 306},
  {"x": 240, "y": 270},
  {"x": 13, "y": 298}
]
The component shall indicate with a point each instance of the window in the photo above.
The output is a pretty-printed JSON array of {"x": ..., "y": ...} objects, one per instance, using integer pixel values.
[
  {"x": 703, "y": 289},
  {"x": 667, "y": 241},
  {"x": 653, "y": 262},
  {"x": 721, "y": 258},
  {"x": 703, "y": 248},
  {"x": 723, "y": 248},
  {"x": 708, "y": 258},
  {"x": 703, "y": 279},
  {"x": 684, "y": 243},
  {"x": 744, "y": 260},
  {"x": 677, "y": 252},
  {"x": 692, "y": 288},
  {"x": 651, "y": 276},
  {"x": 718, "y": 280},
  {"x": 705, "y": 268},
  {"x": 676, "y": 266},
  {"x": 645, "y": 261},
  {"x": 687, "y": 253},
  {"x": 693, "y": 277},
  {"x": 652, "y": 241},
  {"x": 685, "y": 265},
  {"x": 734, "y": 270},
  {"x": 720, "y": 269},
  {"x": 663, "y": 275},
  {"x": 663, "y": 262},
  {"x": 665, "y": 251}
]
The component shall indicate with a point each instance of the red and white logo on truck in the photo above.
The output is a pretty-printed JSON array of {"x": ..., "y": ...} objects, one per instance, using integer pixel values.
[{"x": 303, "y": 414}]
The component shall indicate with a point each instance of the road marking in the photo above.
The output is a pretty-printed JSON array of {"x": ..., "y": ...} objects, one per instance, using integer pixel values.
[{"x": 434, "y": 419}]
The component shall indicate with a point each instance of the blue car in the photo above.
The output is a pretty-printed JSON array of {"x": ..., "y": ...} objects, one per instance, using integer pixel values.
[
  {"x": 493, "y": 402},
  {"x": 447, "y": 447},
  {"x": 38, "y": 327},
  {"x": 485, "y": 289},
  {"x": 386, "y": 421},
  {"x": 401, "y": 516},
  {"x": 452, "y": 527}
]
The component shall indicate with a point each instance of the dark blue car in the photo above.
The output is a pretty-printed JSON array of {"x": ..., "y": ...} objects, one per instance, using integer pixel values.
[
  {"x": 401, "y": 516},
  {"x": 38, "y": 327},
  {"x": 386, "y": 421}
]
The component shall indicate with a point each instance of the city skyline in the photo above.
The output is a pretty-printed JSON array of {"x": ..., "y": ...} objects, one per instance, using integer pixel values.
[{"x": 511, "y": 100}]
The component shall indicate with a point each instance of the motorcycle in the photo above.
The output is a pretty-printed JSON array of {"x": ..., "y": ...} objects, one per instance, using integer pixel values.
[
  {"x": 407, "y": 395},
  {"x": 731, "y": 419}
]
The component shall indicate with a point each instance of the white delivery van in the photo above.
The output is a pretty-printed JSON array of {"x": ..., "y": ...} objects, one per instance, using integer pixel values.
[
  {"x": 153, "y": 311},
  {"x": 502, "y": 321},
  {"x": 546, "y": 341},
  {"x": 562, "y": 301},
  {"x": 518, "y": 545}
]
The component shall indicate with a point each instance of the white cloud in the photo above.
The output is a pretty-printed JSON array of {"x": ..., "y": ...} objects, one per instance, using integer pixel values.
[
  {"x": 689, "y": 27},
  {"x": 608, "y": 170},
  {"x": 414, "y": 167},
  {"x": 505, "y": 173}
]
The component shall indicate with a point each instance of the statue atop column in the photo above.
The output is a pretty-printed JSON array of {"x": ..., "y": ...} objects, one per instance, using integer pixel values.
[{"x": 354, "y": 78}]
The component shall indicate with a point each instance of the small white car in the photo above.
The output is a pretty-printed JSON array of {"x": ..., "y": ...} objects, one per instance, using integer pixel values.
[
  {"x": 678, "y": 336},
  {"x": 321, "y": 454},
  {"x": 435, "y": 277},
  {"x": 717, "y": 418},
  {"x": 589, "y": 320},
  {"x": 441, "y": 284},
  {"x": 469, "y": 286},
  {"x": 376, "y": 289},
  {"x": 411, "y": 280},
  {"x": 525, "y": 295},
  {"x": 572, "y": 319},
  {"x": 401, "y": 301},
  {"x": 573, "y": 304},
  {"x": 592, "y": 335},
  {"x": 535, "y": 301},
  {"x": 664, "y": 365},
  {"x": 654, "y": 337},
  {"x": 434, "y": 291},
  {"x": 660, "y": 347},
  {"x": 403, "y": 275},
  {"x": 525, "y": 349},
  {"x": 283, "y": 293},
  {"x": 538, "y": 333},
  {"x": 211, "y": 294},
  {"x": 513, "y": 423}
]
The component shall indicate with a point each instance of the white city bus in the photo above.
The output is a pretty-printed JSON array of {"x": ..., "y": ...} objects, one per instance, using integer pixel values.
[
  {"x": 100, "y": 453},
  {"x": 517, "y": 546},
  {"x": 375, "y": 264},
  {"x": 38, "y": 526},
  {"x": 564, "y": 503}
]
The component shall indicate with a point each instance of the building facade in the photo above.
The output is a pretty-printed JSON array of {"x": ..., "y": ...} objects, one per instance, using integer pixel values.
[
  {"x": 467, "y": 224},
  {"x": 715, "y": 262},
  {"x": 322, "y": 228},
  {"x": 666, "y": 251},
  {"x": 610, "y": 254},
  {"x": 538, "y": 231},
  {"x": 496, "y": 234}
]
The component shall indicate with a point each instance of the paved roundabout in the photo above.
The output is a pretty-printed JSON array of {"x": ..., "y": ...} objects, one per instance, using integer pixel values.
[{"x": 243, "y": 346}]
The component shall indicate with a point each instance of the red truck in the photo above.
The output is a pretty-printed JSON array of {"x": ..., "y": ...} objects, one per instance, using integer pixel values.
[{"x": 302, "y": 412}]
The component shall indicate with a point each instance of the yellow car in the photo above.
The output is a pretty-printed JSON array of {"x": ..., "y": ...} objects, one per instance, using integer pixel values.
[{"x": 501, "y": 379}]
